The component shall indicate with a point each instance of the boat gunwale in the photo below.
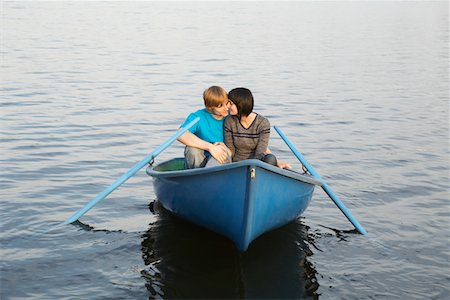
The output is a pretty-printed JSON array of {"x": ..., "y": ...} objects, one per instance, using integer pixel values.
[{"x": 249, "y": 162}]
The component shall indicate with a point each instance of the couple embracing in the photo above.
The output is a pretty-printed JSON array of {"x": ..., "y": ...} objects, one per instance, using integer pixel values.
[{"x": 228, "y": 131}]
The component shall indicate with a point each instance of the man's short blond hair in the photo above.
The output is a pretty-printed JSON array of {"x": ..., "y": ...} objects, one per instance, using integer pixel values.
[{"x": 214, "y": 96}]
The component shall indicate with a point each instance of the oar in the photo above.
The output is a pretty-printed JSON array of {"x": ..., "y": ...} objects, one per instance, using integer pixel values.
[
  {"x": 130, "y": 173},
  {"x": 325, "y": 186}
]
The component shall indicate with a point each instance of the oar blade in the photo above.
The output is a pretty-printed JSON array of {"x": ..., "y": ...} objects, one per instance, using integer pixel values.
[
  {"x": 130, "y": 173},
  {"x": 325, "y": 186}
]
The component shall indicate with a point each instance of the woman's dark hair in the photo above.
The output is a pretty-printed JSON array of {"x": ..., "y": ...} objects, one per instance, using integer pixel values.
[{"x": 243, "y": 99}]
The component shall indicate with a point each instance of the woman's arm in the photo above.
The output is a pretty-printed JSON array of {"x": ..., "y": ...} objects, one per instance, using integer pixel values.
[
  {"x": 280, "y": 163},
  {"x": 228, "y": 135},
  {"x": 264, "y": 136}
]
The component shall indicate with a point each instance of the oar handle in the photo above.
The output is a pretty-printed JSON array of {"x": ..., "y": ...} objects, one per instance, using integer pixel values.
[
  {"x": 325, "y": 186},
  {"x": 130, "y": 173}
]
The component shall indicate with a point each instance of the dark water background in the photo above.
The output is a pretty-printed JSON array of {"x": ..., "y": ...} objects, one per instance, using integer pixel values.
[{"x": 88, "y": 89}]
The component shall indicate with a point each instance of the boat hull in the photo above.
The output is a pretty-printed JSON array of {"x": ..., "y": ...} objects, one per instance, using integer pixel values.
[{"x": 240, "y": 200}]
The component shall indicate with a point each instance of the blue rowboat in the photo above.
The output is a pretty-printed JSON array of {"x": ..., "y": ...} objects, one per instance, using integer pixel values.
[{"x": 239, "y": 200}]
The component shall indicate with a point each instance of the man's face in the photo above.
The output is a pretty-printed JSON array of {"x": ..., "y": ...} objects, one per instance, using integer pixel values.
[{"x": 221, "y": 110}]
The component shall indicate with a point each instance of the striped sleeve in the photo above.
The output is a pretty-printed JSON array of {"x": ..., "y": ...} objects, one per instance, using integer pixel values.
[
  {"x": 264, "y": 136},
  {"x": 228, "y": 135}
]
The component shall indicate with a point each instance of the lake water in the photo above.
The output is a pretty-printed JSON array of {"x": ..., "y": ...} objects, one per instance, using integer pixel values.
[{"x": 90, "y": 88}]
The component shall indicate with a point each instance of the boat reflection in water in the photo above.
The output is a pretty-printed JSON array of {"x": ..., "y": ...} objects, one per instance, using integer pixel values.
[{"x": 187, "y": 261}]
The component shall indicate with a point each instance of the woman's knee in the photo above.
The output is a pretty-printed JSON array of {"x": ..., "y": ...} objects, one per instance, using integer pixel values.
[{"x": 270, "y": 159}]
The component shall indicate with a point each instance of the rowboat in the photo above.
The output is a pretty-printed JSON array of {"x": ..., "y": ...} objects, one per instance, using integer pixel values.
[{"x": 240, "y": 200}]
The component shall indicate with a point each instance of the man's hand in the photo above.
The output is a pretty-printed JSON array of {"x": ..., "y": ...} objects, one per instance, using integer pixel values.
[
  {"x": 226, "y": 148},
  {"x": 220, "y": 152}
]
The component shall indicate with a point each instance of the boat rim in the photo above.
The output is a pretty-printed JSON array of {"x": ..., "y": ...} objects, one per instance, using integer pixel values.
[{"x": 249, "y": 162}]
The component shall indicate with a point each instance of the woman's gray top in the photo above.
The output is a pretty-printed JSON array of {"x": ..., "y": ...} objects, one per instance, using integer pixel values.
[{"x": 246, "y": 143}]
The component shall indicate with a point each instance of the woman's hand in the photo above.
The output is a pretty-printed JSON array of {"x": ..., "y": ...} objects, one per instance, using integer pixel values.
[{"x": 283, "y": 165}]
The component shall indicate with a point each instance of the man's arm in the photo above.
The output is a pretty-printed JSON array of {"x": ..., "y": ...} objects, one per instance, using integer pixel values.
[{"x": 191, "y": 140}]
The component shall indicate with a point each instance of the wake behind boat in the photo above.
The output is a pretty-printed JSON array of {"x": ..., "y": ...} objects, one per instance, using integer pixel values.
[{"x": 240, "y": 201}]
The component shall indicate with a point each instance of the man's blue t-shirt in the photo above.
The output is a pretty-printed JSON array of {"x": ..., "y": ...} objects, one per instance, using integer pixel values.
[{"x": 208, "y": 128}]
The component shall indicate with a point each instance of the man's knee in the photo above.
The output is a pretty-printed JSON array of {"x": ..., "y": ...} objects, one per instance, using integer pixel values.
[{"x": 194, "y": 157}]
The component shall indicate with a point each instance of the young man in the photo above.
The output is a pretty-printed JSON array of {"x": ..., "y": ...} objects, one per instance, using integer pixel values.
[{"x": 204, "y": 140}]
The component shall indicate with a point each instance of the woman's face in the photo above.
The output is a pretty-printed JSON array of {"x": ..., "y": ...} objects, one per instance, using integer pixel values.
[{"x": 233, "y": 108}]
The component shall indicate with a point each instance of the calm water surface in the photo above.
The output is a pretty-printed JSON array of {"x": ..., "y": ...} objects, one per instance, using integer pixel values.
[{"x": 88, "y": 89}]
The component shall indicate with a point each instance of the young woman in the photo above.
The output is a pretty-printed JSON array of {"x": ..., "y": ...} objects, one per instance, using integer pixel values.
[{"x": 246, "y": 133}]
